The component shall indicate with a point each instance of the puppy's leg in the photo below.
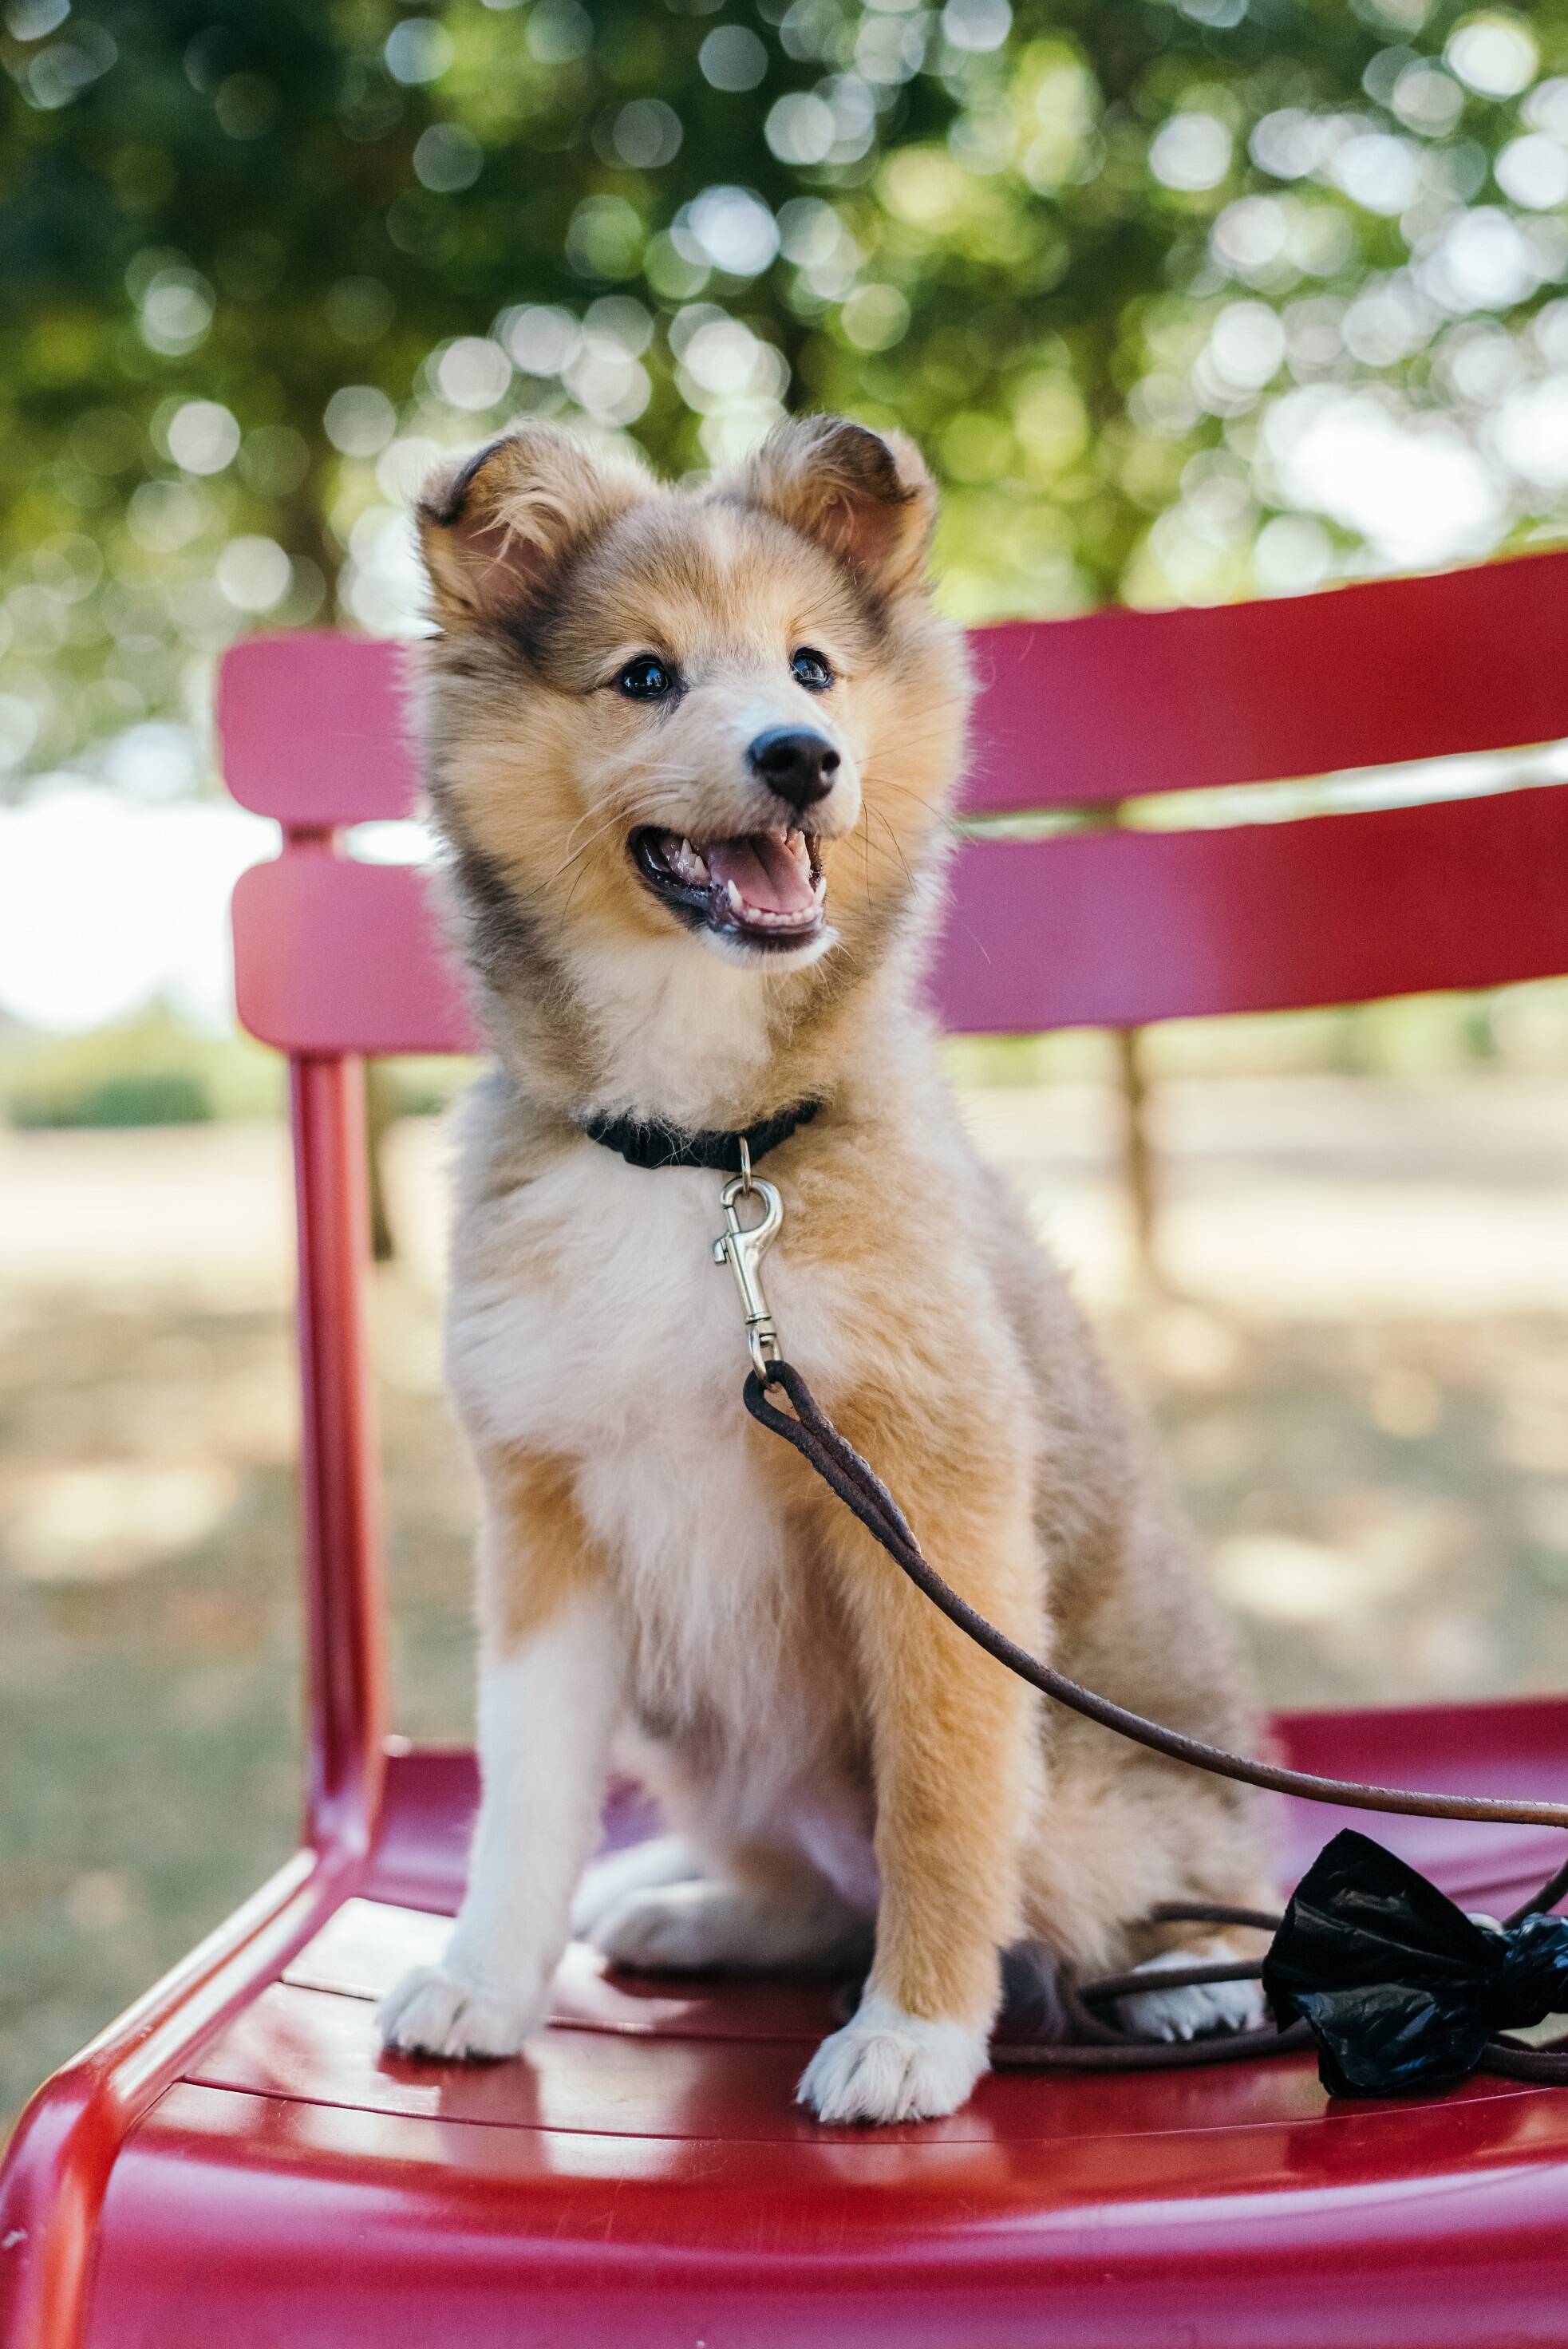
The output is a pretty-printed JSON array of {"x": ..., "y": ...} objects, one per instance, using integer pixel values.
[
  {"x": 763, "y": 1908},
  {"x": 956, "y": 1763},
  {"x": 641, "y": 1867},
  {"x": 1129, "y": 1834},
  {"x": 551, "y": 1676}
]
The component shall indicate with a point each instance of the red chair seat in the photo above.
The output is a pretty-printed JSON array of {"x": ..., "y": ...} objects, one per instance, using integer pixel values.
[{"x": 644, "y": 2176}]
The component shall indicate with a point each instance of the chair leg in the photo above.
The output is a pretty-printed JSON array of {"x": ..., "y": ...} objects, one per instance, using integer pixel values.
[
  {"x": 380, "y": 1112},
  {"x": 1138, "y": 1165}
]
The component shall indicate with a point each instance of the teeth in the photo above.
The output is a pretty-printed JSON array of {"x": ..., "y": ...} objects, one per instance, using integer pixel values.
[{"x": 688, "y": 864}]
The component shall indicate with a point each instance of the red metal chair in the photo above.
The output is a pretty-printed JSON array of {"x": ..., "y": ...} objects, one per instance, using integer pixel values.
[{"x": 234, "y": 2164}]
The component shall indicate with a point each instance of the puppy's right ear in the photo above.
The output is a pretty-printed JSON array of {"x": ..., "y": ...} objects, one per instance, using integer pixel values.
[
  {"x": 494, "y": 526},
  {"x": 865, "y": 496}
]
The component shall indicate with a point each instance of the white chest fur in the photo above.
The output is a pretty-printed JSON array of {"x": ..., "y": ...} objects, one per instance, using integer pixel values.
[
  {"x": 610, "y": 1339},
  {"x": 677, "y": 1025}
]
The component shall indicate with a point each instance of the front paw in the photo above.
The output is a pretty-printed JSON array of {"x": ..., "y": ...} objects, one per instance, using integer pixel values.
[
  {"x": 888, "y": 2065},
  {"x": 430, "y": 2013}
]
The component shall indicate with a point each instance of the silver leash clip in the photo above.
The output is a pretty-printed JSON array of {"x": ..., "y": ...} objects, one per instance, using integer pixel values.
[{"x": 743, "y": 1247}]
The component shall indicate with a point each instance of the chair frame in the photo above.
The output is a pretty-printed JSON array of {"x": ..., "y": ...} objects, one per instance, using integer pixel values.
[{"x": 312, "y": 736}]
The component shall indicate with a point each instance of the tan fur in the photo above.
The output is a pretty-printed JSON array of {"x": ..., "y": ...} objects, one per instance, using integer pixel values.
[
  {"x": 906, "y": 1286},
  {"x": 539, "y": 1551}
]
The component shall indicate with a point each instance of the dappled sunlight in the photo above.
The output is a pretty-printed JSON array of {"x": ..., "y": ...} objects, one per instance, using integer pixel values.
[
  {"x": 1313, "y": 1197},
  {"x": 1367, "y": 1421},
  {"x": 93, "y": 1522}
]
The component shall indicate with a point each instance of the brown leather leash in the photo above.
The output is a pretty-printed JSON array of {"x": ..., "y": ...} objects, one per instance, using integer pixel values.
[
  {"x": 1396, "y": 1986},
  {"x": 1099, "y": 2043}
]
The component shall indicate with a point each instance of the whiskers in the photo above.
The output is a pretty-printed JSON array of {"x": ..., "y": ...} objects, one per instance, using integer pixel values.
[
  {"x": 868, "y": 809},
  {"x": 898, "y": 844},
  {"x": 938, "y": 809},
  {"x": 598, "y": 832},
  {"x": 626, "y": 806}
]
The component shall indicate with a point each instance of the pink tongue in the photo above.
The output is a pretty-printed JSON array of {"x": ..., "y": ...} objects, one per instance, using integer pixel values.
[{"x": 763, "y": 871}]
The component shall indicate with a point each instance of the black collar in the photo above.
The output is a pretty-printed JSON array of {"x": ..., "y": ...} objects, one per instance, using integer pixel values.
[{"x": 651, "y": 1144}]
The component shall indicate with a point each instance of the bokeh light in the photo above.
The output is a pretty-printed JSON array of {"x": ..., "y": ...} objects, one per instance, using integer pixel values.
[{"x": 1184, "y": 309}]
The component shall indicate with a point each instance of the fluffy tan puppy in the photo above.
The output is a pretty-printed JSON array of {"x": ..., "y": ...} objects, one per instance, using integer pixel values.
[{"x": 690, "y": 752}]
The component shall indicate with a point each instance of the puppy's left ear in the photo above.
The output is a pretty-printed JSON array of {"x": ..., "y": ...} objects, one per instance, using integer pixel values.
[
  {"x": 865, "y": 496},
  {"x": 494, "y": 527}
]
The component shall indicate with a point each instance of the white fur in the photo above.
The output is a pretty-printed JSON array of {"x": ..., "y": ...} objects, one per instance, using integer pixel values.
[
  {"x": 641, "y": 1867},
  {"x": 546, "y": 1714},
  {"x": 886, "y": 2066},
  {"x": 836, "y": 1838},
  {"x": 622, "y": 1352},
  {"x": 625, "y": 1355},
  {"x": 741, "y": 955},
  {"x": 628, "y": 1358},
  {"x": 1196, "y": 2011},
  {"x": 430, "y": 2013},
  {"x": 678, "y": 1032},
  {"x": 674, "y": 1927}
]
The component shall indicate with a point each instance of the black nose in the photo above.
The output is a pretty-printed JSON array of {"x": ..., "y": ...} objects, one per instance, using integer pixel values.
[{"x": 795, "y": 762}]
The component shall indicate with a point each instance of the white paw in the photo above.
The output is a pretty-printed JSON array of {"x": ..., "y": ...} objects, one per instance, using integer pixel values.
[
  {"x": 886, "y": 2066},
  {"x": 430, "y": 2013},
  {"x": 663, "y": 1859},
  {"x": 683, "y": 1927},
  {"x": 1196, "y": 2011},
  {"x": 676, "y": 1929}
]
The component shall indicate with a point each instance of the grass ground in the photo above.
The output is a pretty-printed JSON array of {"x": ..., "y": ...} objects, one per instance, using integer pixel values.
[{"x": 1359, "y": 1371}]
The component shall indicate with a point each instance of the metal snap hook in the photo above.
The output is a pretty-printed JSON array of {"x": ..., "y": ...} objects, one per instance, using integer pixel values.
[{"x": 743, "y": 1246}]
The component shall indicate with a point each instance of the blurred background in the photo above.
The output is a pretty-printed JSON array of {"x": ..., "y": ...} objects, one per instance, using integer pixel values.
[{"x": 1185, "y": 302}]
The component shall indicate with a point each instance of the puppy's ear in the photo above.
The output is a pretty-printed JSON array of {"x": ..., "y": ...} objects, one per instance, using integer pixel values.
[
  {"x": 867, "y": 497},
  {"x": 494, "y": 525}
]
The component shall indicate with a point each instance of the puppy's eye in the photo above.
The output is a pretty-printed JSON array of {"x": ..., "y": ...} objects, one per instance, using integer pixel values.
[
  {"x": 811, "y": 668},
  {"x": 646, "y": 678}
]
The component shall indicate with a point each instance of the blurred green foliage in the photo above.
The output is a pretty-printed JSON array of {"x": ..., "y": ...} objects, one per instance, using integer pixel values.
[
  {"x": 1115, "y": 262},
  {"x": 157, "y": 1070},
  {"x": 150, "y": 1070},
  {"x": 161, "y": 1097}
]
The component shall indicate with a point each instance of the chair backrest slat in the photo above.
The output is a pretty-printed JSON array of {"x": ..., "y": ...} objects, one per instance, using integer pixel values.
[
  {"x": 315, "y": 732},
  {"x": 1096, "y": 928},
  {"x": 1118, "y": 929},
  {"x": 1116, "y": 925},
  {"x": 1123, "y": 702},
  {"x": 315, "y": 728},
  {"x": 334, "y": 955}
]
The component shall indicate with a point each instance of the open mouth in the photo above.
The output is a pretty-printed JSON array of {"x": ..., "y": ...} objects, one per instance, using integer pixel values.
[{"x": 765, "y": 887}]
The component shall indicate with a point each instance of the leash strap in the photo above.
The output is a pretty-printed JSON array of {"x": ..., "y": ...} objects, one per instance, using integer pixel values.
[
  {"x": 861, "y": 1490},
  {"x": 1098, "y": 2046}
]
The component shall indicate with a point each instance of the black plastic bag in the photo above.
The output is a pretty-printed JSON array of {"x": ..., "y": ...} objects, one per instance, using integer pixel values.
[{"x": 1401, "y": 1989}]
